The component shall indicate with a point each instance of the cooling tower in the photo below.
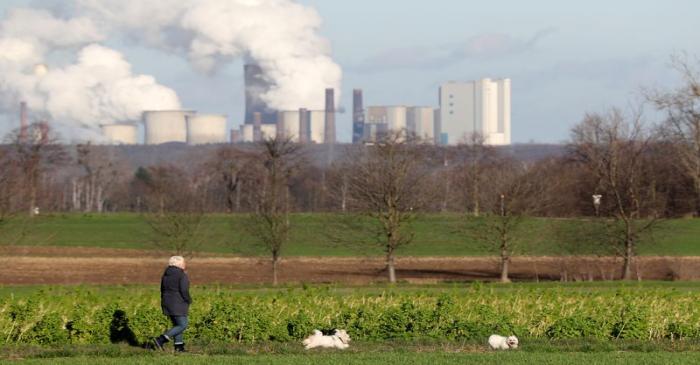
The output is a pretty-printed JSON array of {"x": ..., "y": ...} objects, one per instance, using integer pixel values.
[
  {"x": 317, "y": 124},
  {"x": 255, "y": 87},
  {"x": 329, "y": 128},
  {"x": 204, "y": 129},
  {"x": 358, "y": 116},
  {"x": 247, "y": 133},
  {"x": 288, "y": 125},
  {"x": 164, "y": 126},
  {"x": 120, "y": 133},
  {"x": 268, "y": 131}
]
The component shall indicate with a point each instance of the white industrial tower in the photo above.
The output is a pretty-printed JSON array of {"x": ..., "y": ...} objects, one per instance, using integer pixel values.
[{"x": 481, "y": 106}]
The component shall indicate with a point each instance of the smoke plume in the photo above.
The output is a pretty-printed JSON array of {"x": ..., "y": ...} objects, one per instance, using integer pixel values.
[
  {"x": 95, "y": 86},
  {"x": 279, "y": 35}
]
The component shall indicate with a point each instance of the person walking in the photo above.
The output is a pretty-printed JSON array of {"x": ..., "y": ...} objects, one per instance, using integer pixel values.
[{"x": 175, "y": 300}]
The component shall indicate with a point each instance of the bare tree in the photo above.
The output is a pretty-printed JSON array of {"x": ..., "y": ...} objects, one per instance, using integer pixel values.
[
  {"x": 387, "y": 183},
  {"x": 513, "y": 193},
  {"x": 100, "y": 172},
  {"x": 37, "y": 152},
  {"x": 682, "y": 126},
  {"x": 9, "y": 187},
  {"x": 614, "y": 148},
  {"x": 230, "y": 164},
  {"x": 473, "y": 156},
  {"x": 176, "y": 220},
  {"x": 275, "y": 164}
]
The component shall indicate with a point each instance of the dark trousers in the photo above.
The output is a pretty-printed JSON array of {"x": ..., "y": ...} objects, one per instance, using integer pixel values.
[{"x": 179, "y": 326}]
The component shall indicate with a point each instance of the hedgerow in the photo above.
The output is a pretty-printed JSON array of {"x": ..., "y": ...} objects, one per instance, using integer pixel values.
[{"x": 87, "y": 316}]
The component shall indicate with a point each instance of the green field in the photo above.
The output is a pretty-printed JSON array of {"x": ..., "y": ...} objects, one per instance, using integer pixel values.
[
  {"x": 396, "y": 358},
  {"x": 577, "y": 323},
  {"x": 435, "y": 235}
]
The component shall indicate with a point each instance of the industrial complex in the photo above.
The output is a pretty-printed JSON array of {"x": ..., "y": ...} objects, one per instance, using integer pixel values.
[{"x": 464, "y": 108}]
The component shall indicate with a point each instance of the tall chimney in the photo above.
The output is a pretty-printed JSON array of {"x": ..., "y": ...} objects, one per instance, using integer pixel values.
[
  {"x": 23, "y": 123},
  {"x": 358, "y": 116},
  {"x": 304, "y": 126},
  {"x": 257, "y": 122},
  {"x": 329, "y": 130}
]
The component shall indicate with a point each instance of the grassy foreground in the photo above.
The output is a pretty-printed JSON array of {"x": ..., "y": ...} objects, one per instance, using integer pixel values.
[
  {"x": 435, "y": 235},
  {"x": 667, "y": 300},
  {"x": 386, "y": 353},
  {"x": 397, "y": 358}
]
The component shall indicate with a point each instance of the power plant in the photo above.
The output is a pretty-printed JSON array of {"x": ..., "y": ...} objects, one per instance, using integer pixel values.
[
  {"x": 206, "y": 129},
  {"x": 163, "y": 126},
  {"x": 465, "y": 108},
  {"x": 120, "y": 133}
]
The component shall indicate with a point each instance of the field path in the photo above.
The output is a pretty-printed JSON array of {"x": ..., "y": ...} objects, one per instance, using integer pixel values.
[{"x": 75, "y": 265}]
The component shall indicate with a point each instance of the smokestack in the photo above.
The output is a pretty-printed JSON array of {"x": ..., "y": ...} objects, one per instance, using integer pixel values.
[
  {"x": 329, "y": 135},
  {"x": 304, "y": 126},
  {"x": 257, "y": 122},
  {"x": 358, "y": 116},
  {"x": 255, "y": 87},
  {"x": 23, "y": 123}
]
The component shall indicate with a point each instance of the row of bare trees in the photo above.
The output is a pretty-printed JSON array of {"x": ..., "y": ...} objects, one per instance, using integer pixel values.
[{"x": 640, "y": 174}]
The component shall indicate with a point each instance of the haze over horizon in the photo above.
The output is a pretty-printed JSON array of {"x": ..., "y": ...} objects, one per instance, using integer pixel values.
[{"x": 564, "y": 59}]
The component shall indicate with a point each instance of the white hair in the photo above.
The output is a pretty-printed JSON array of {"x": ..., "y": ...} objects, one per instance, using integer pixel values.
[{"x": 177, "y": 261}]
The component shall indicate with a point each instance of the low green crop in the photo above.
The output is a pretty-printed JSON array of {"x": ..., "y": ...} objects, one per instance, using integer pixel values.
[{"x": 133, "y": 315}]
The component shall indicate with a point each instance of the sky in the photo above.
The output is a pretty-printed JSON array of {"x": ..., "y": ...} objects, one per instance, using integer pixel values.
[{"x": 564, "y": 58}]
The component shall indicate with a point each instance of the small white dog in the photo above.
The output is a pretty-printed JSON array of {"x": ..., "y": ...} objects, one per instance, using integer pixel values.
[
  {"x": 497, "y": 342},
  {"x": 339, "y": 339}
]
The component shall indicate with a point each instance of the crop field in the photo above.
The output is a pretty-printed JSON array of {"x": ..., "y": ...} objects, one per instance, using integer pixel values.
[
  {"x": 652, "y": 322},
  {"x": 435, "y": 235}
]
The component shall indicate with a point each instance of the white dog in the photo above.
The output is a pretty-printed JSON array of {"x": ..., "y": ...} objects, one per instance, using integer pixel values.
[
  {"x": 503, "y": 343},
  {"x": 339, "y": 339}
]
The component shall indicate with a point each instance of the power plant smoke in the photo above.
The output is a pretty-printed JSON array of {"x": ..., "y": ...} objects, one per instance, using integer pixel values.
[
  {"x": 280, "y": 36},
  {"x": 96, "y": 86}
]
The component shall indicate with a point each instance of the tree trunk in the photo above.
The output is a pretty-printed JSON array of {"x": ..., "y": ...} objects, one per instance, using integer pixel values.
[
  {"x": 627, "y": 265},
  {"x": 390, "y": 267},
  {"x": 275, "y": 261},
  {"x": 697, "y": 198},
  {"x": 505, "y": 260}
]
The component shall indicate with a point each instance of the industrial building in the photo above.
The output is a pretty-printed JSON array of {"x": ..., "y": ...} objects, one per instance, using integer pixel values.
[
  {"x": 481, "y": 106},
  {"x": 205, "y": 129},
  {"x": 163, "y": 126},
  {"x": 413, "y": 120},
  {"x": 120, "y": 133},
  {"x": 420, "y": 120},
  {"x": 358, "y": 116}
]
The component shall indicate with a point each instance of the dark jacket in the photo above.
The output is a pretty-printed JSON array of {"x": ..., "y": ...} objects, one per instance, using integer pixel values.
[{"x": 175, "y": 292}]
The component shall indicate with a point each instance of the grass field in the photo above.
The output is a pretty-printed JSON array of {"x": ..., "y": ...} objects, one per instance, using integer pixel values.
[
  {"x": 533, "y": 350},
  {"x": 435, "y": 235},
  {"x": 396, "y": 358}
]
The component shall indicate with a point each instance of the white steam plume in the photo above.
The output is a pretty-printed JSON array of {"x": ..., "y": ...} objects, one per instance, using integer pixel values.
[
  {"x": 97, "y": 88},
  {"x": 279, "y": 35}
]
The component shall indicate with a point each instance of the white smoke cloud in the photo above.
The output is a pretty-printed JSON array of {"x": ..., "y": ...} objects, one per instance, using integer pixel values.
[
  {"x": 280, "y": 35},
  {"x": 97, "y": 88}
]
